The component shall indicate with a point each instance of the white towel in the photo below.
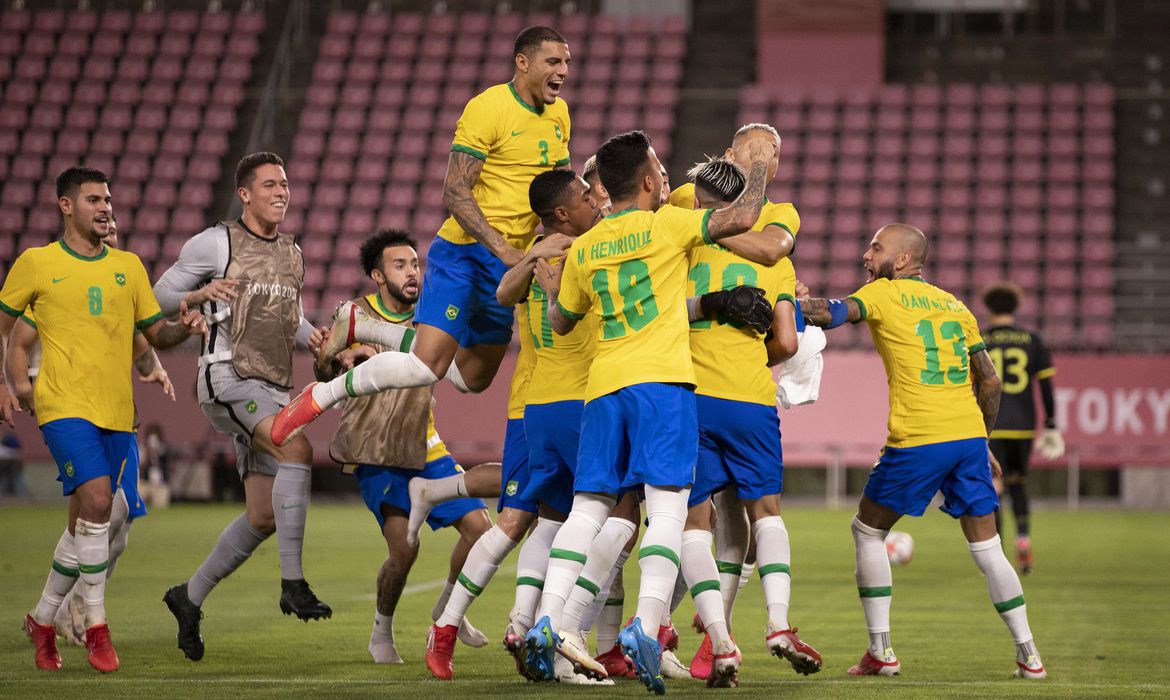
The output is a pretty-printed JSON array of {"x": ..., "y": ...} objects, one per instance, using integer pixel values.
[{"x": 800, "y": 375}]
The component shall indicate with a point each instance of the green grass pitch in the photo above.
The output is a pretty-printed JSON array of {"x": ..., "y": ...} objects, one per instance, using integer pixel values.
[{"x": 1099, "y": 604}]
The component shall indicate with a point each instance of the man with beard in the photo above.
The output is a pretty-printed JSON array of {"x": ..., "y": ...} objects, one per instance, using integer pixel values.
[
  {"x": 89, "y": 300},
  {"x": 388, "y": 438},
  {"x": 944, "y": 397}
]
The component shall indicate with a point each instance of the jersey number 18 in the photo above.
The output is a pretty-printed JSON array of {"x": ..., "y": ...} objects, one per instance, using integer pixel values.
[{"x": 639, "y": 306}]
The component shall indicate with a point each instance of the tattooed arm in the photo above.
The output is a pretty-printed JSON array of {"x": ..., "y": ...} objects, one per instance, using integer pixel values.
[
  {"x": 743, "y": 212},
  {"x": 987, "y": 387},
  {"x": 463, "y": 171},
  {"x": 819, "y": 312}
]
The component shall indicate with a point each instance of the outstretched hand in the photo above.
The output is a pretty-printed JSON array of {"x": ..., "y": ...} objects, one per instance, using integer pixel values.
[
  {"x": 162, "y": 378},
  {"x": 193, "y": 320}
]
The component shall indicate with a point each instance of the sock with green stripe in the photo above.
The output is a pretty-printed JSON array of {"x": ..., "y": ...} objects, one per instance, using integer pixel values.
[
  {"x": 698, "y": 568},
  {"x": 610, "y": 617},
  {"x": 1003, "y": 583},
  {"x": 567, "y": 555},
  {"x": 731, "y": 544},
  {"x": 600, "y": 558},
  {"x": 93, "y": 556},
  {"x": 531, "y": 565},
  {"x": 612, "y": 595},
  {"x": 482, "y": 562},
  {"x": 389, "y": 335},
  {"x": 62, "y": 577},
  {"x": 666, "y": 510},
  {"x": 386, "y": 370},
  {"x": 875, "y": 586},
  {"x": 774, "y": 558}
]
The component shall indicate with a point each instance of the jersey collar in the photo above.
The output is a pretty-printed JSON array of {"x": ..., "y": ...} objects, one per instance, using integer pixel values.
[
  {"x": 375, "y": 300},
  {"x": 525, "y": 105},
  {"x": 86, "y": 258},
  {"x": 623, "y": 212}
]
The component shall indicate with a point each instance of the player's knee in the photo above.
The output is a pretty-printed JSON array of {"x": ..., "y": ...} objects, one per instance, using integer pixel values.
[
  {"x": 262, "y": 522},
  {"x": 473, "y": 525},
  {"x": 298, "y": 451},
  {"x": 95, "y": 506}
]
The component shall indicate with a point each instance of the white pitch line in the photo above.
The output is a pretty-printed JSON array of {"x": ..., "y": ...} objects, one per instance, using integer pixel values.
[{"x": 425, "y": 586}]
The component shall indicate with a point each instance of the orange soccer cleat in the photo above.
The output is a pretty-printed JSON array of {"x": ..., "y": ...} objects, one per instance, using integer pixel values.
[{"x": 293, "y": 418}]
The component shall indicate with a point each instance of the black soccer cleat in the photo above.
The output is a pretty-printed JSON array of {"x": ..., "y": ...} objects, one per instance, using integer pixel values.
[
  {"x": 296, "y": 598},
  {"x": 188, "y": 615}
]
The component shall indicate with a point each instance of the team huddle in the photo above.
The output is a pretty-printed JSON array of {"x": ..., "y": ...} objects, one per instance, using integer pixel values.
[{"x": 649, "y": 321}]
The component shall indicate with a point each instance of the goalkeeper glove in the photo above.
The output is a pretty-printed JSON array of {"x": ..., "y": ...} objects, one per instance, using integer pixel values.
[
  {"x": 747, "y": 305},
  {"x": 1051, "y": 444}
]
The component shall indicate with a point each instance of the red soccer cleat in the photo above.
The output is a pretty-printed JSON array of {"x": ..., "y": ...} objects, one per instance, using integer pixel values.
[
  {"x": 871, "y": 666},
  {"x": 44, "y": 637},
  {"x": 725, "y": 667},
  {"x": 617, "y": 664},
  {"x": 440, "y": 650},
  {"x": 704, "y": 660},
  {"x": 101, "y": 648},
  {"x": 786, "y": 645},
  {"x": 293, "y": 418},
  {"x": 668, "y": 637}
]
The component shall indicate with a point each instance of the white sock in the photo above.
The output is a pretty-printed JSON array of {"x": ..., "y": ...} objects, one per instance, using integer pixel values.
[
  {"x": 441, "y": 602},
  {"x": 666, "y": 510},
  {"x": 389, "y": 335},
  {"x": 1003, "y": 583},
  {"x": 609, "y": 620},
  {"x": 93, "y": 556},
  {"x": 680, "y": 591},
  {"x": 119, "y": 530},
  {"x": 602, "y": 554},
  {"x": 456, "y": 378},
  {"x": 731, "y": 543},
  {"x": 567, "y": 554},
  {"x": 386, "y": 370},
  {"x": 531, "y": 565},
  {"x": 593, "y": 612},
  {"x": 746, "y": 576},
  {"x": 448, "y": 488},
  {"x": 290, "y": 506},
  {"x": 382, "y": 646},
  {"x": 62, "y": 577},
  {"x": 875, "y": 586},
  {"x": 482, "y": 562},
  {"x": 698, "y": 568},
  {"x": 775, "y": 559}
]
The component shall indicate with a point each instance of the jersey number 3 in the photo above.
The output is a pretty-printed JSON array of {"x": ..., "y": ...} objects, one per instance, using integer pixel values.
[
  {"x": 950, "y": 330},
  {"x": 1012, "y": 365},
  {"x": 639, "y": 306}
]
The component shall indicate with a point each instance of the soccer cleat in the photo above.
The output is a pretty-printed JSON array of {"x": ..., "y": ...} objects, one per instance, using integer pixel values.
[
  {"x": 566, "y": 673},
  {"x": 574, "y": 648},
  {"x": 471, "y": 636},
  {"x": 672, "y": 667},
  {"x": 188, "y": 615},
  {"x": 420, "y": 508},
  {"x": 725, "y": 666},
  {"x": 101, "y": 648},
  {"x": 646, "y": 654},
  {"x": 440, "y": 650},
  {"x": 70, "y": 620},
  {"x": 297, "y": 598},
  {"x": 872, "y": 666},
  {"x": 340, "y": 335},
  {"x": 293, "y": 418},
  {"x": 44, "y": 638},
  {"x": 785, "y": 644},
  {"x": 515, "y": 645},
  {"x": 384, "y": 652},
  {"x": 542, "y": 643},
  {"x": 703, "y": 660},
  {"x": 1032, "y": 669},
  {"x": 668, "y": 637},
  {"x": 1024, "y": 554},
  {"x": 617, "y": 664}
]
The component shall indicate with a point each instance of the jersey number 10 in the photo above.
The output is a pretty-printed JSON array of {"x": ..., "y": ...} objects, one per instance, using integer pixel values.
[
  {"x": 639, "y": 306},
  {"x": 950, "y": 330}
]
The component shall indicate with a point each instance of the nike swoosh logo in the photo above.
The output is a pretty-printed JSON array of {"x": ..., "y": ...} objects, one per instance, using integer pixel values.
[
  {"x": 287, "y": 506},
  {"x": 517, "y": 133},
  {"x": 60, "y": 279}
]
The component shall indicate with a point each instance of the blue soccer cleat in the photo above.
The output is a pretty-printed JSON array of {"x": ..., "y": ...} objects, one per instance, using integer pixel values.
[
  {"x": 646, "y": 654},
  {"x": 542, "y": 644}
]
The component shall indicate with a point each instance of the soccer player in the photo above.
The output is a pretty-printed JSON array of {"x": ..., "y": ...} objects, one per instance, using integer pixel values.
[
  {"x": 247, "y": 275},
  {"x": 944, "y": 396},
  {"x": 506, "y": 136},
  {"x": 390, "y": 437},
  {"x": 89, "y": 299},
  {"x": 1022, "y": 360},
  {"x": 24, "y": 361},
  {"x": 629, "y": 273},
  {"x": 597, "y": 191}
]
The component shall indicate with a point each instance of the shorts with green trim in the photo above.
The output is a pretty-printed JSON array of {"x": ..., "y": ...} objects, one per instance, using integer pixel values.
[
  {"x": 84, "y": 452},
  {"x": 459, "y": 294},
  {"x": 905, "y": 479}
]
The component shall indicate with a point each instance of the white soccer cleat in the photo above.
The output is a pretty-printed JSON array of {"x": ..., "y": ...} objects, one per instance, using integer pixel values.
[
  {"x": 471, "y": 636},
  {"x": 565, "y": 674},
  {"x": 574, "y": 648},
  {"x": 420, "y": 508},
  {"x": 1032, "y": 668},
  {"x": 672, "y": 667}
]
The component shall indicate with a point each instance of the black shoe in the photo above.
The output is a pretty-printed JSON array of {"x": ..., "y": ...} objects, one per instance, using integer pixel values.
[
  {"x": 188, "y": 615},
  {"x": 297, "y": 598}
]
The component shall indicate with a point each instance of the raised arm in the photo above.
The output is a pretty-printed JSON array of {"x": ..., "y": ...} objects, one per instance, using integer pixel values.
[
  {"x": 515, "y": 282},
  {"x": 765, "y": 247},
  {"x": 550, "y": 279},
  {"x": 741, "y": 214},
  {"x": 830, "y": 313},
  {"x": 463, "y": 170}
]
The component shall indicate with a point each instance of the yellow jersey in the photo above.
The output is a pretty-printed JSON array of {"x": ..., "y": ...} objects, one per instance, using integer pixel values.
[
  {"x": 731, "y": 362},
  {"x": 525, "y": 362},
  {"x": 516, "y": 142},
  {"x": 562, "y": 361},
  {"x": 87, "y": 309},
  {"x": 630, "y": 272},
  {"x": 925, "y": 337},
  {"x": 782, "y": 214}
]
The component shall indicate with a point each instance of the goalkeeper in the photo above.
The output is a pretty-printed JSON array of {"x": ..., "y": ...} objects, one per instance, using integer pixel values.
[{"x": 1022, "y": 362}]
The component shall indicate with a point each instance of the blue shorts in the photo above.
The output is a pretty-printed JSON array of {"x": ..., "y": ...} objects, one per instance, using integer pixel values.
[
  {"x": 85, "y": 452},
  {"x": 388, "y": 486},
  {"x": 129, "y": 483},
  {"x": 640, "y": 435},
  {"x": 906, "y": 478},
  {"x": 554, "y": 433},
  {"x": 739, "y": 445},
  {"x": 514, "y": 474},
  {"x": 459, "y": 294}
]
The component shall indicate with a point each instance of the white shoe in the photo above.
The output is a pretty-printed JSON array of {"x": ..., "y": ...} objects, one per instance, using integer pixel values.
[
  {"x": 1032, "y": 668},
  {"x": 672, "y": 667},
  {"x": 420, "y": 508},
  {"x": 470, "y": 636},
  {"x": 566, "y": 674},
  {"x": 384, "y": 651},
  {"x": 574, "y": 648}
]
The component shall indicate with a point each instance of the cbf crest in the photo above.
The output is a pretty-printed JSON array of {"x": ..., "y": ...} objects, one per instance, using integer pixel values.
[{"x": 120, "y": 278}]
